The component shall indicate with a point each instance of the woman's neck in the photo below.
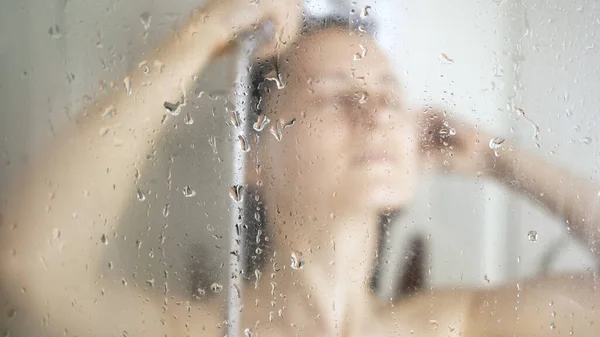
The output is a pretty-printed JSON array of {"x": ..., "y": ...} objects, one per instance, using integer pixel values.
[{"x": 338, "y": 253}]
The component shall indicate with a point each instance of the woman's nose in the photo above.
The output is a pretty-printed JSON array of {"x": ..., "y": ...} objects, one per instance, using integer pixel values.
[{"x": 376, "y": 113}]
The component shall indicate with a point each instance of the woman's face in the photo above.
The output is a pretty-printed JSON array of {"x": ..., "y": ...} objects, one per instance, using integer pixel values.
[{"x": 353, "y": 143}]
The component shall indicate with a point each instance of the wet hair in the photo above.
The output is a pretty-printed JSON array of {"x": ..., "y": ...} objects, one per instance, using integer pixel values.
[{"x": 257, "y": 249}]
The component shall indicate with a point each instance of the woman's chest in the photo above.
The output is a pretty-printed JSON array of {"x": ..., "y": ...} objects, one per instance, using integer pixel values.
[{"x": 370, "y": 323}]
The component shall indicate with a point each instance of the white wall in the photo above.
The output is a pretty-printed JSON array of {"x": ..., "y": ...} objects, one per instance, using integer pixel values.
[
  {"x": 535, "y": 55},
  {"x": 560, "y": 80},
  {"x": 15, "y": 52}
]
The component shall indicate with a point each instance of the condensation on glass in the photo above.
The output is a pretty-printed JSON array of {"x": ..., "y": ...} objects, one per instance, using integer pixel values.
[{"x": 283, "y": 168}]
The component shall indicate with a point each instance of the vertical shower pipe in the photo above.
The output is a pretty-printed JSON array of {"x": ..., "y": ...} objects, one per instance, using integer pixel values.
[
  {"x": 241, "y": 98},
  {"x": 242, "y": 101}
]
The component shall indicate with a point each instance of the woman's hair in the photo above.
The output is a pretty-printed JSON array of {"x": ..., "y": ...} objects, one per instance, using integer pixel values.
[
  {"x": 256, "y": 232},
  {"x": 259, "y": 86}
]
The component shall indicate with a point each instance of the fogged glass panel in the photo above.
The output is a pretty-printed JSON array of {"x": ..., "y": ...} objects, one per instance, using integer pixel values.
[{"x": 284, "y": 168}]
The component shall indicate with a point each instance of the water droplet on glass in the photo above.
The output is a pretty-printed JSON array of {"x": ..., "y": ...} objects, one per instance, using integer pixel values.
[
  {"x": 55, "y": 234},
  {"x": 261, "y": 122},
  {"x": 297, "y": 260},
  {"x": 361, "y": 97},
  {"x": 166, "y": 210},
  {"x": 536, "y": 128},
  {"x": 104, "y": 239},
  {"x": 140, "y": 195},
  {"x": 188, "y": 192},
  {"x": 357, "y": 57},
  {"x": 109, "y": 112},
  {"x": 446, "y": 59},
  {"x": 363, "y": 50},
  {"x": 434, "y": 324},
  {"x": 452, "y": 131},
  {"x": 146, "y": 19},
  {"x": 124, "y": 282},
  {"x": 365, "y": 11},
  {"x": 569, "y": 113},
  {"x": 362, "y": 28},
  {"x": 127, "y": 83},
  {"x": 243, "y": 144},
  {"x": 235, "y": 192},
  {"x": 158, "y": 65},
  {"x": 212, "y": 141},
  {"x": 216, "y": 287},
  {"x": 289, "y": 124},
  {"x": 54, "y": 33},
  {"x": 11, "y": 314},
  {"x": 496, "y": 144},
  {"x": 532, "y": 236},
  {"x": 552, "y": 326},
  {"x": 145, "y": 68},
  {"x": 248, "y": 332},
  {"x": 586, "y": 140},
  {"x": 188, "y": 119},
  {"x": 210, "y": 228},
  {"x": 173, "y": 109},
  {"x": 235, "y": 119},
  {"x": 275, "y": 76},
  {"x": 276, "y": 131}
]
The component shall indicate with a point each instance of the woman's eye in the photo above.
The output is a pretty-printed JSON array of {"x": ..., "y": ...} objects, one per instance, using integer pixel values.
[
  {"x": 346, "y": 100},
  {"x": 341, "y": 100}
]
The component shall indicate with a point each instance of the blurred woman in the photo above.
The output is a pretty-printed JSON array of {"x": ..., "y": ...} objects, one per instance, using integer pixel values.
[{"x": 353, "y": 152}]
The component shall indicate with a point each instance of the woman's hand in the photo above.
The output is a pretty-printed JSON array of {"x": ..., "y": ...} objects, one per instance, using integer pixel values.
[
  {"x": 232, "y": 18},
  {"x": 454, "y": 146}
]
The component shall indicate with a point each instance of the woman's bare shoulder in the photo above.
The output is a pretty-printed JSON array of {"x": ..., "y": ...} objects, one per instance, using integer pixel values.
[
  {"x": 197, "y": 316},
  {"x": 431, "y": 312},
  {"x": 543, "y": 305}
]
